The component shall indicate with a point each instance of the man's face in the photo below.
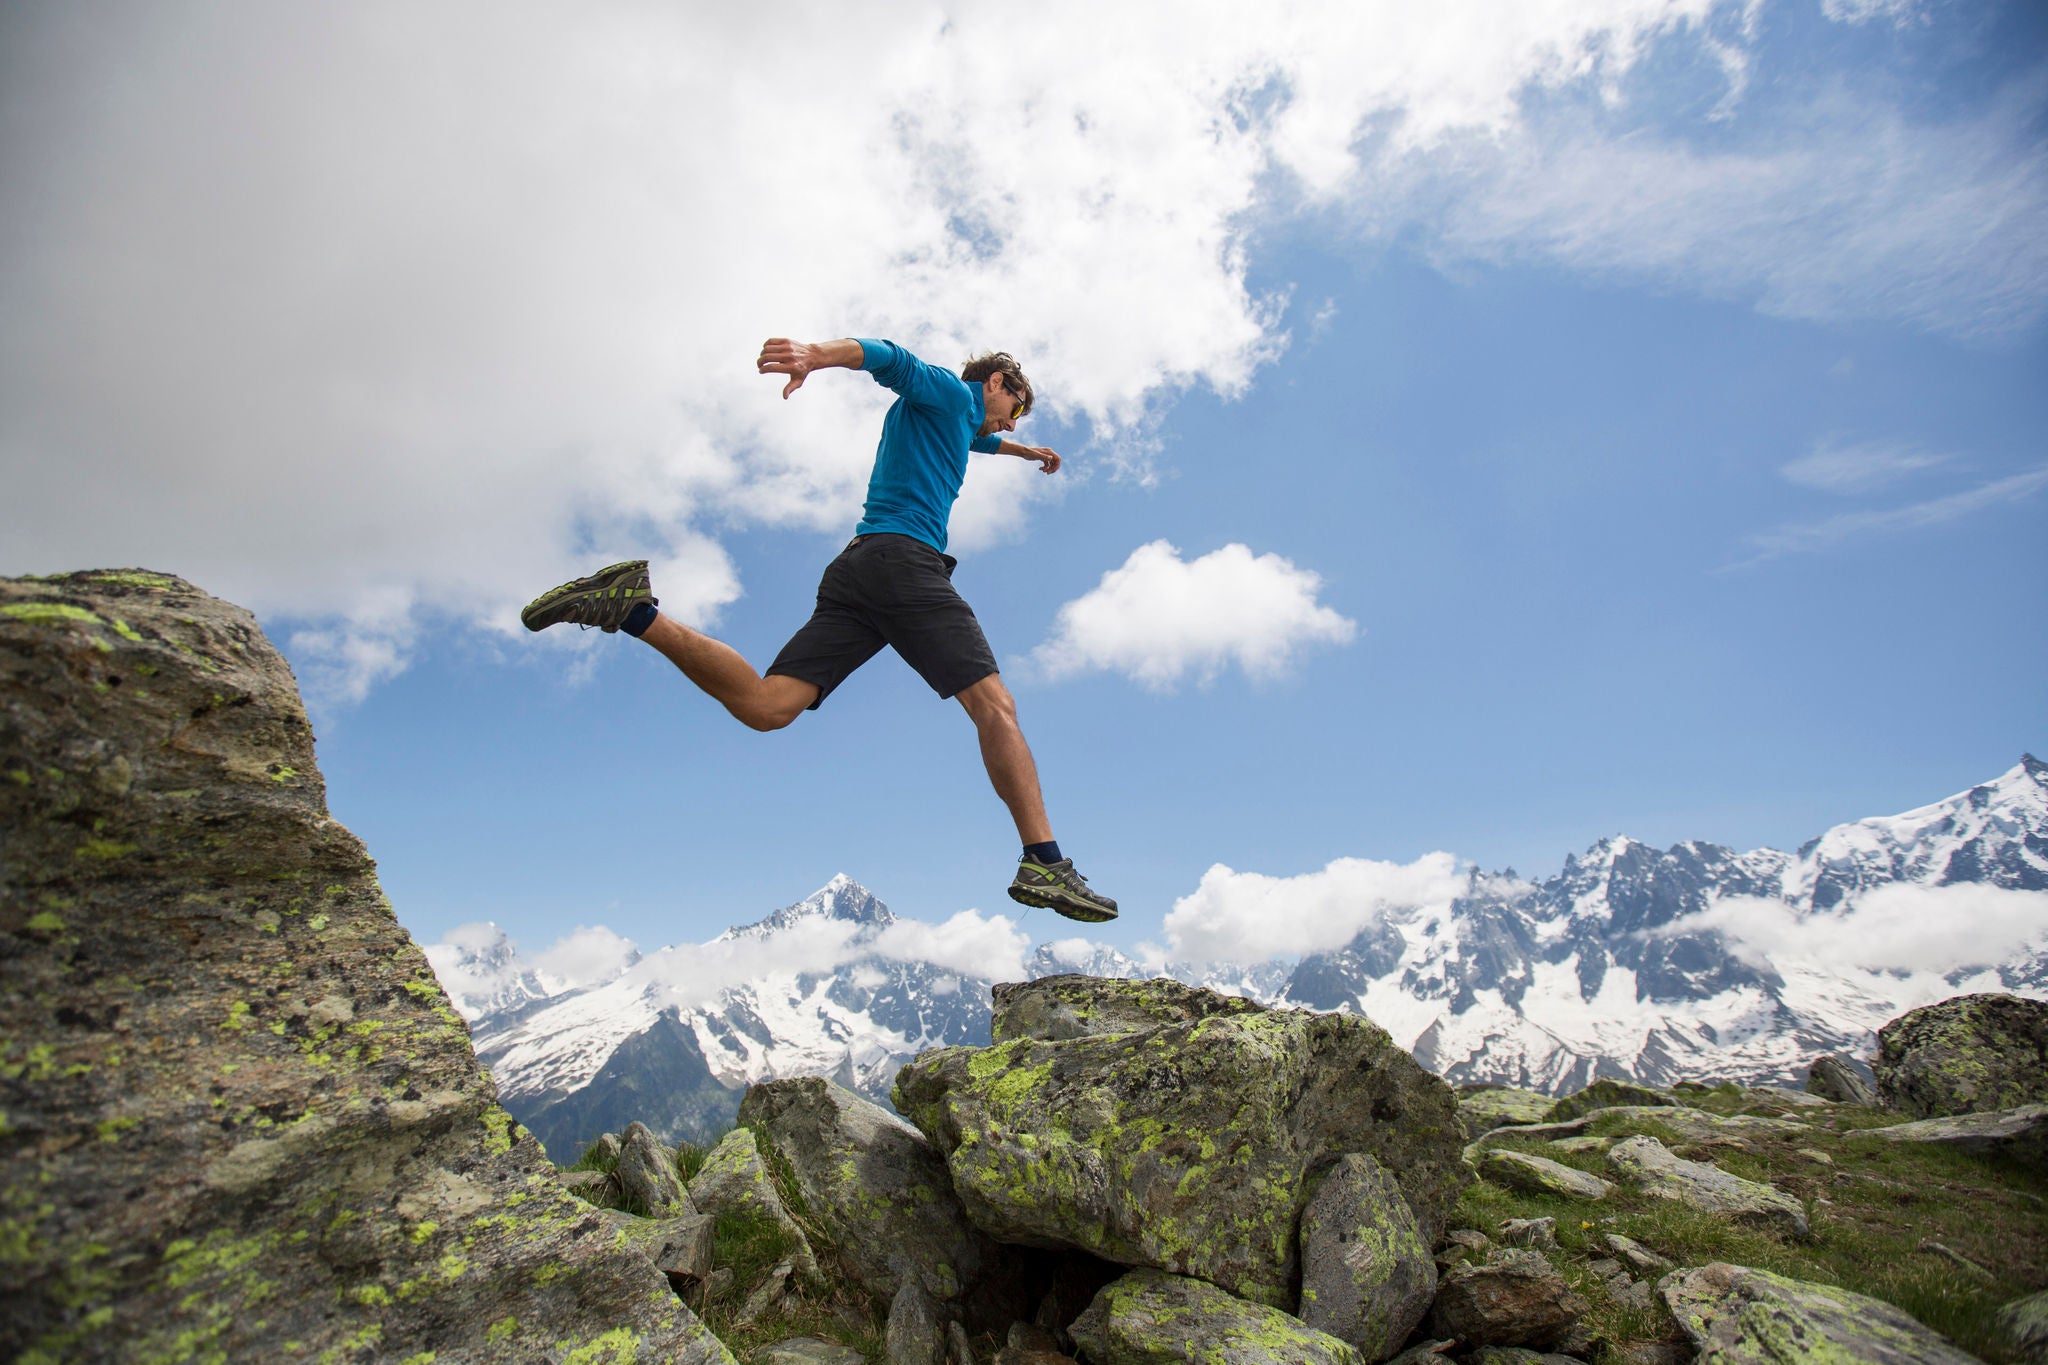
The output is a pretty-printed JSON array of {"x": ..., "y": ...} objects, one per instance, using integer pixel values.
[{"x": 1001, "y": 408}]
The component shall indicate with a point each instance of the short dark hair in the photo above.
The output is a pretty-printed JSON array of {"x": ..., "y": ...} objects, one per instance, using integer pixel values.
[{"x": 977, "y": 371}]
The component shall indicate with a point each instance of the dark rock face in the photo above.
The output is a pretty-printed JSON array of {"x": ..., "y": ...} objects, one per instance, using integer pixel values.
[
  {"x": 1838, "y": 1079},
  {"x": 1515, "y": 1298},
  {"x": 1966, "y": 1055},
  {"x": 238, "y": 1110},
  {"x": 1604, "y": 1094}
]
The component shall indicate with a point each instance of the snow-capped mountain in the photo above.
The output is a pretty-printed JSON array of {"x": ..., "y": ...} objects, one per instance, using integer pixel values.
[
  {"x": 1689, "y": 962},
  {"x": 1697, "y": 961}
]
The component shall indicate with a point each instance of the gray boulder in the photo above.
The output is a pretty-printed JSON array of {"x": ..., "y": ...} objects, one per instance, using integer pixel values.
[
  {"x": 1151, "y": 1318},
  {"x": 1647, "y": 1165},
  {"x": 878, "y": 1192},
  {"x": 1605, "y": 1094},
  {"x": 647, "y": 1175},
  {"x": 733, "y": 1179},
  {"x": 1964, "y": 1056},
  {"x": 1738, "y": 1316},
  {"x": 1514, "y": 1298},
  {"x": 261, "y": 1126},
  {"x": 2017, "y": 1134},
  {"x": 1540, "y": 1175},
  {"x": 1366, "y": 1272},
  {"x": 1839, "y": 1079},
  {"x": 809, "y": 1351},
  {"x": 1486, "y": 1108},
  {"x": 2024, "y": 1324},
  {"x": 1182, "y": 1146},
  {"x": 916, "y": 1333},
  {"x": 680, "y": 1247}
]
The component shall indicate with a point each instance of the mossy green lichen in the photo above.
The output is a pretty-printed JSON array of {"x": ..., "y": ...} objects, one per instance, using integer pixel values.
[{"x": 48, "y": 613}]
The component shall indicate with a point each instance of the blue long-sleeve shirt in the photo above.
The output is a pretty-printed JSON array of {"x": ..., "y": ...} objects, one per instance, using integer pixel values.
[{"x": 922, "y": 458}]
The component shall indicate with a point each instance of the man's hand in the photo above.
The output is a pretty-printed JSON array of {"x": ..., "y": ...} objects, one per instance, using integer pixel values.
[
  {"x": 797, "y": 359},
  {"x": 1048, "y": 459}
]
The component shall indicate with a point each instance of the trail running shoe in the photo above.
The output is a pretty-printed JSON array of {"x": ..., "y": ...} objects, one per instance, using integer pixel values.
[
  {"x": 1058, "y": 887},
  {"x": 603, "y": 600}
]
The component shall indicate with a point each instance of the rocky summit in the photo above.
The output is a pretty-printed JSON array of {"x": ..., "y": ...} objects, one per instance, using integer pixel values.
[{"x": 238, "y": 1119}]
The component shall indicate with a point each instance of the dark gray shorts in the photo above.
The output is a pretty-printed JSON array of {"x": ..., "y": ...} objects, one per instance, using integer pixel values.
[{"x": 888, "y": 590}]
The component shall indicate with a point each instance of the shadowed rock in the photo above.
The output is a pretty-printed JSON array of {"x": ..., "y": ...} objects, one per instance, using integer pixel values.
[
  {"x": 1483, "y": 1110},
  {"x": 267, "y": 1123},
  {"x": 1514, "y": 1298},
  {"x": 1604, "y": 1094},
  {"x": 1837, "y": 1078},
  {"x": 647, "y": 1175},
  {"x": 1964, "y": 1056},
  {"x": 1183, "y": 1146},
  {"x": 1540, "y": 1175},
  {"x": 2017, "y": 1134}
]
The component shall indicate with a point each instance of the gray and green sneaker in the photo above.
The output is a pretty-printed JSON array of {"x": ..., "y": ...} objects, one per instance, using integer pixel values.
[
  {"x": 1058, "y": 887},
  {"x": 603, "y": 600}
]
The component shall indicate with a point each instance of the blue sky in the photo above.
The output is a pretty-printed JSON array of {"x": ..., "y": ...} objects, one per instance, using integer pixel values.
[{"x": 1630, "y": 417}]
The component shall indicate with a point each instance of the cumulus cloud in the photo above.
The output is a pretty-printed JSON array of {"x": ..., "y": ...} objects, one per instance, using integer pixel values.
[
  {"x": 970, "y": 944},
  {"x": 364, "y": 313},
  {"x": 1159, "y": 618},
  {"x": 1896, "y": 928},
  {"x": 1857, "y": 467},
  {"x": 1250, "y": 917},
  {"x": 1810, "y": 536},
  {"x": 586, "y": 956}
]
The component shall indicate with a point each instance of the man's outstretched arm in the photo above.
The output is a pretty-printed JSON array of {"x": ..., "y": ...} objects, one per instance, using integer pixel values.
[
  {"x": 1048, "y": 458},
  {"x": 797, "y": 359}
]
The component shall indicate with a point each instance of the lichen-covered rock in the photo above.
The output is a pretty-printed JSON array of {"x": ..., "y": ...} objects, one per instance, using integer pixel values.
[
  {"x": 680, "y": 1247},
  {"x": 1964, "y": 1056},
  {"x": 2016, "y": 1134},
  {"x": 1539, "y": 1175},
  {"x": 1484, "y": 1109},
  {"x": 647, "y": 1175},
  {"x": 1182, "y": 1146},
  {"x": 916, "y": 1333},
  {"x": 1605, "y": 1094},
  {"x": 1514, "y": 1298},
  {"x": 1366, "y": 1272},
  {"x": 878, "y": 1191},
  {"x": 239, "y": 1110},
  {"x": 734, "y": 1179},
  {"x": 1151, "y": 1318},
  {"x": 1643, "y": 1260},
  {"x": 2024, "y": 1324},
  {"x": 1837, "y": 1078},
  {"x": 1649, "y": 1166},
  {"x": 1056, "y": 1007},
  {"x": 1738, "y": 1316}
]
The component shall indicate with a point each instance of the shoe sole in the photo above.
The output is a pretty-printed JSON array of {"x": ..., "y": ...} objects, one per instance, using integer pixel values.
[
  {"x": 1039, "y": 900},
  {"x": 553, "y": 596}
]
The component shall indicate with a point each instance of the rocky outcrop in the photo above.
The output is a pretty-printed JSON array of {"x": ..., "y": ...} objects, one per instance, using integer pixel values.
[
  {"x": 1644, "y": 1163},
  {"x": 1540, "y": 1175},
  {"x": 1513, "y": 1298},
  {"x": 1184, "y": 1146},
  {"x": 1738, "y": 1316},
  {"x": 1604, "y": 1094},
  {"x": 733, "y": 1179},
  {"x": 1484, "y": 1108},
  {"x": 241, "y": 1120},
  {"x": 881, "y": 1195},
  {"x": 647, "y": 1175},
  {"x": 2015, "y": 1134},
  {"x": 1966, "y": 1055},
  {"x": 1838, "y": 1078},
  {"x": 1152, "y": 1318}
]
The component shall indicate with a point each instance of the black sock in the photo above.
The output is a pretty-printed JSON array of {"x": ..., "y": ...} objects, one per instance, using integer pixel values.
[
  {"x": 639, "y": 619},
  {"x": 1047, "y": 852}
]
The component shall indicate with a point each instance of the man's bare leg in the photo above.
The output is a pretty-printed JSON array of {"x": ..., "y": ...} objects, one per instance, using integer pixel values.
[
  {"x": 1007, "y": 757},
  {"x": 761, "y": 703}
]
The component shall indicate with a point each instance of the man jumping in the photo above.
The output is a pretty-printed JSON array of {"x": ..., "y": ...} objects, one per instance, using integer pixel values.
[{"x": 891, "y": 585}]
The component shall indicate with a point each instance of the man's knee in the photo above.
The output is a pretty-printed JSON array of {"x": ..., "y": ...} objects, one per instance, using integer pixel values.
[
  {"x": 780, "y": 700},
  {"x": 988, "y": 702}
]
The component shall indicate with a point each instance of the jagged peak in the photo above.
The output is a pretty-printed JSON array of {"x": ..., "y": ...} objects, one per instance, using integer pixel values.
[{"x": 841, "y": 898}]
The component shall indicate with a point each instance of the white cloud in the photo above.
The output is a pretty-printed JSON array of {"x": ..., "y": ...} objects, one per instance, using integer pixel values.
[
  {"x": 990, "y": 948},
  {"x": 1896, "y": 928},
  {"x": 1250, "y": 917},
  {"x": 586, "y": 956},
  {"x": 1158, "y": 618},
  {"x": 1857, "y": 467},
  {"x": 363, "y": 313},
  {"x": 1806, "y": 537}
]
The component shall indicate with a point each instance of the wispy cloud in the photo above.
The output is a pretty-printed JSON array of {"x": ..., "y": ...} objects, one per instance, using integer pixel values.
[
  {"x": 1864, "y": 467},
  {"x": 1159, "y": 618},
  {"x": 1811, "y": 536},
  {"x": 1250, "y": 917},
  {"x": 1901, "y": 928}
]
